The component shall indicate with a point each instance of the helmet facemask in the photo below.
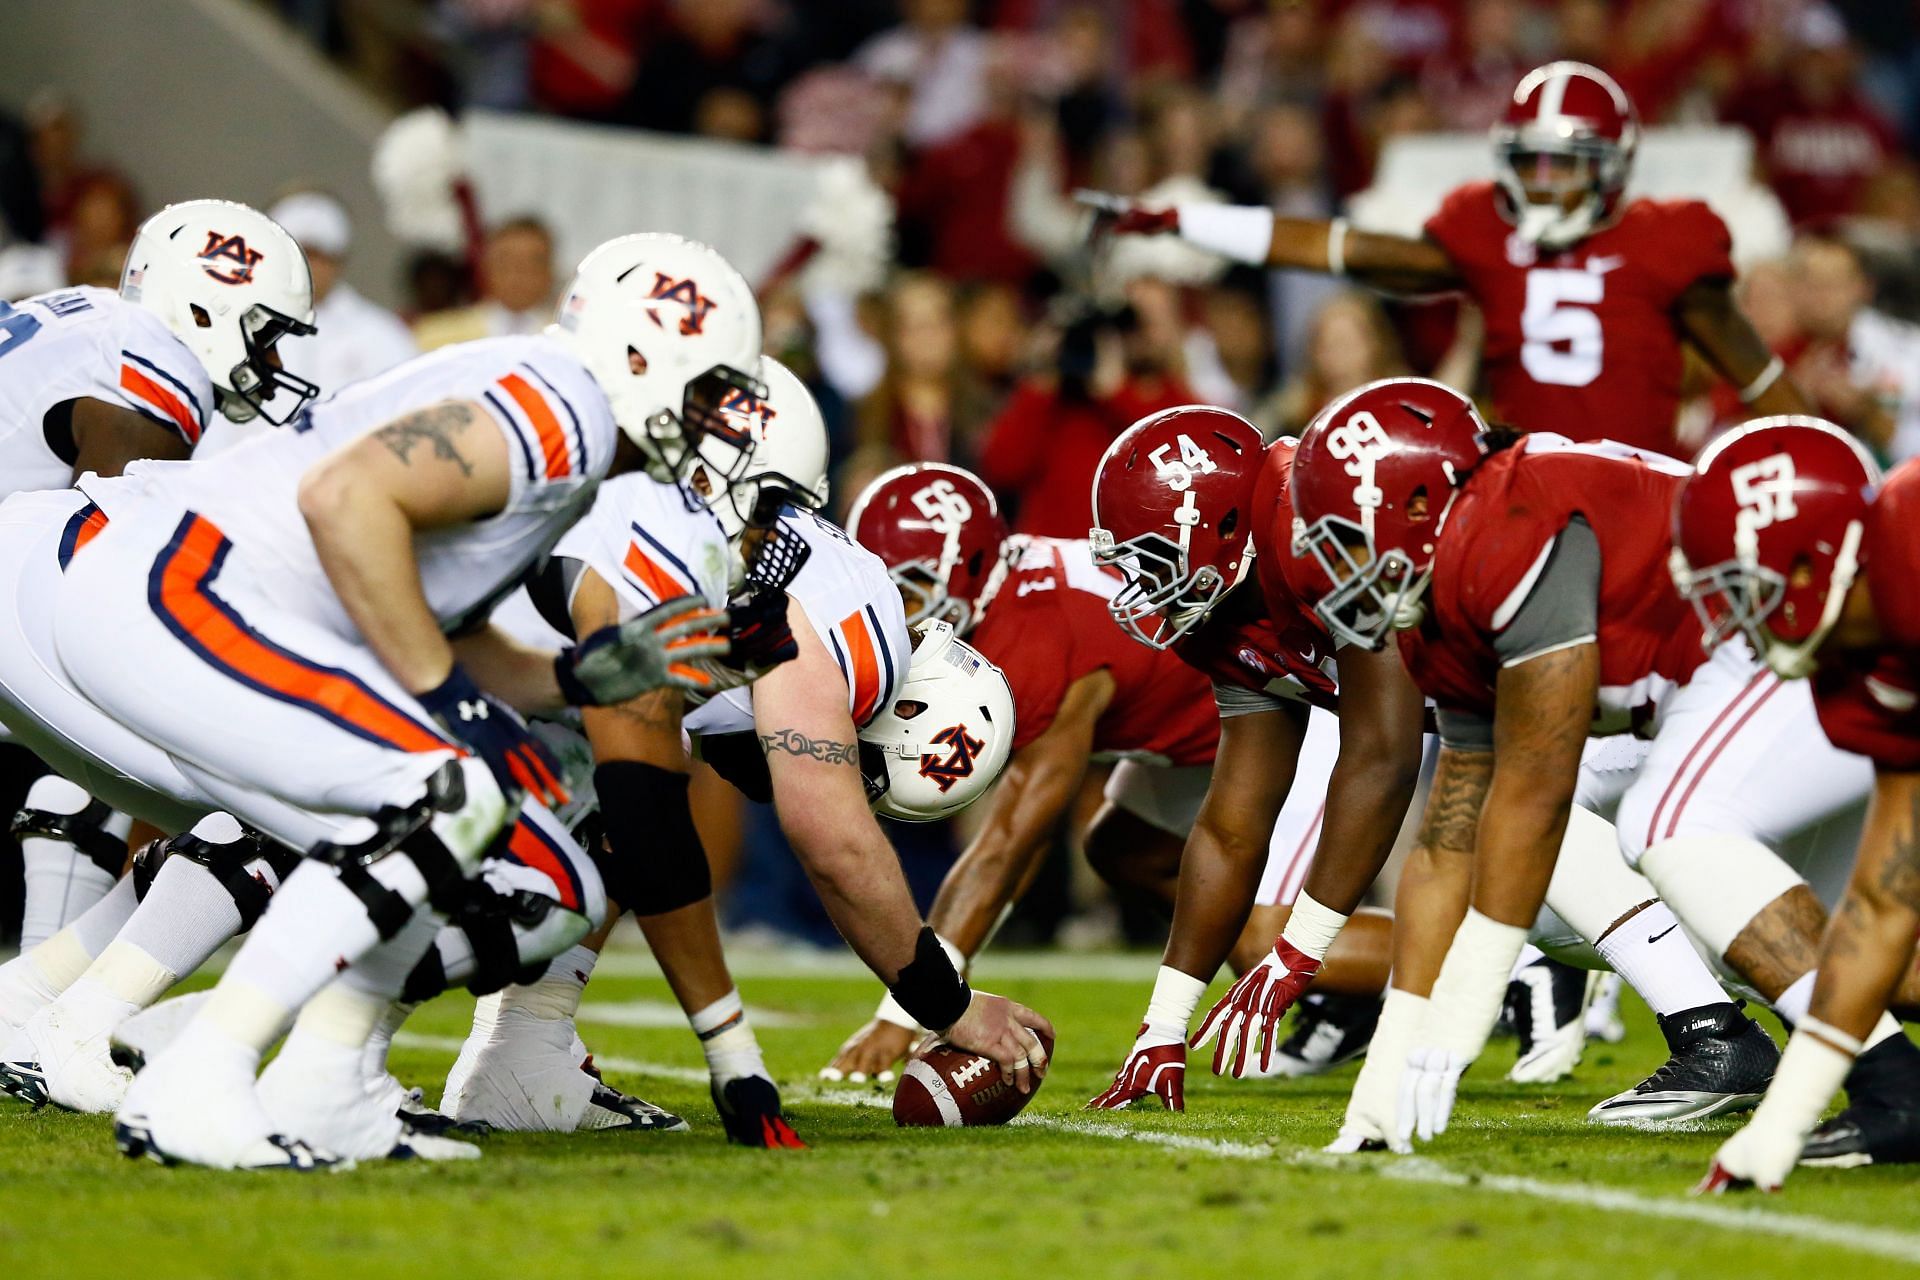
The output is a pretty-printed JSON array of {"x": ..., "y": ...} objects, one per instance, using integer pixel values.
[
  {"x": 1164, "y": 598},
  {"x": 1744, "y": 596},
  {"x": 701, "y": 433},
  {"x": 259, "y": 378},
  {"x": 1559, "y": 188}
]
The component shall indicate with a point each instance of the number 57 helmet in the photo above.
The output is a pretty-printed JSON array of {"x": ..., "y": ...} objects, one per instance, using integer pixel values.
[
  {"x": 1767, "y": 535},
  {"x": 1173, "y": 512},
  {"x": 230, "y": 283},
  {"x": 947, "y": 735}
]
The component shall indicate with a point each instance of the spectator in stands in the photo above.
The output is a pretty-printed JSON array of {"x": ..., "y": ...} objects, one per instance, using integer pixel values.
[
  {"x": 99, "y": 226},
  {"x": 927, "y": 407},
  {"x": 1350, "y": 343},
  {"x": 354, "y": 336},
  {"x": 1472, "y": 81},
  {"x": 516, "y": 289},
  {"x": 1861, "y": 366},
  {"x": 1275, "y": 56},
  {"x": 1229, "y": 355},
  {"x": 713, "y": 71},
  {"x": 937, "y": 62}
]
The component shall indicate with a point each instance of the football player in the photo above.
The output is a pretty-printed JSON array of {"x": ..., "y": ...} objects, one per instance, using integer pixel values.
[
  {"x": 1589, "y": 298},
  {"x": 91, "y": 380},
  {"x": 1529, "y": 596},
  {"x": 796, "y": 739},
  {"x": 311, "y": 613},
  {"x": 1787, "y": 536},
  {"x": 1087, "y": 694}
]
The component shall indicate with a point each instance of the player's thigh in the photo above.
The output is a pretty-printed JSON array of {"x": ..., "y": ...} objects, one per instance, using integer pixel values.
[
  {"x": 227, "y": 681},
  {"x": 541, "y": 856}
]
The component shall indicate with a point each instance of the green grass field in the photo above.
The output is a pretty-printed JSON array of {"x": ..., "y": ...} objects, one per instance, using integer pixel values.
[{"x": 1521, "y": 1186}]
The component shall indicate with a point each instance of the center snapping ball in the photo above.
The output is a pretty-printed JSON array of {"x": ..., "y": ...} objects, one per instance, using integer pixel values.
[{"x": 952, "y": 1087}]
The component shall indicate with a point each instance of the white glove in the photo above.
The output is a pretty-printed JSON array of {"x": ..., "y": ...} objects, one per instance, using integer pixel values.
[
  {"x": 1761, "y": 1155},
  {"x": 1811, "y": 1071},
  {"x": 1460, "y": 1015},
  {"x": 1427, "y": 1090},
  {"x": 1371, "y": 1110}
]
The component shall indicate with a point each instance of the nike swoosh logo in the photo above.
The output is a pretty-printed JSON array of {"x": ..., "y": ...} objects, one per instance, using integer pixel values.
[
  {"x": 1601, "y": 266},
  {"x": 1663, "y": 933}
]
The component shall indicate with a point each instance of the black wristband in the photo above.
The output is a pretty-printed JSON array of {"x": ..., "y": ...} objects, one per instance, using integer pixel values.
[
  {"x": 572, "y": 691},
  {"x": 651, "y": 860},
  {"x": 930, "y": 989}
]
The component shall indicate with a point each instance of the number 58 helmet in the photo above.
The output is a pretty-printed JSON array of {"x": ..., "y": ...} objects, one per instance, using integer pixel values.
[
  {"x": 230, "y": 283},
  {"x": 945, "y": 738},
  {"x": 1767, "y": 535}
]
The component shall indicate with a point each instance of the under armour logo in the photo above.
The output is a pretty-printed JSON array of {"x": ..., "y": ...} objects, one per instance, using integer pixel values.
[
  {"x": 474, "y": 710},
  {"x": 959, "y": 762},
  {"x": 687, "y": 294},
  {"x": 231, "y": 249}
]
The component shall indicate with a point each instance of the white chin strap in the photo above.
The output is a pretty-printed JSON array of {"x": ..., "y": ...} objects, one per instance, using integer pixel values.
[{"x": 1551, "y": 227}]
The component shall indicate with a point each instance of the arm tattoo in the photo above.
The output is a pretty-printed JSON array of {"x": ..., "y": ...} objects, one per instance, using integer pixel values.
[
  {"x": 795, "y": 743},
  {"x": 437, "y": 425},
  {"x": 1452, "y": 819},
  {"x": 1900, "y": 877}
]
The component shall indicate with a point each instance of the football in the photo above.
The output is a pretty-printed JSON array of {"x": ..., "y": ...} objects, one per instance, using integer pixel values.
[{"x": 950, "y": 1087}]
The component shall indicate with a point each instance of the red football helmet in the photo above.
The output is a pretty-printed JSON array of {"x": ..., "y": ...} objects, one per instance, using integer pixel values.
[
  {"x": 1173, "y": 512},
  {"x": 1569, "y": 130},
  {"x": 1373, "y": 478},
  {"x": 940, "y": 531},
  {"x": 1766, "y": 535}
]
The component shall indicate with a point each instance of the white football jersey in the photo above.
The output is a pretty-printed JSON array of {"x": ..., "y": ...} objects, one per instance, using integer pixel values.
[
  {"x": 853, "y": 606},
  {"x": 647, "y": 542},
  {"x": 532, "y": 390},
  {"x": 88, "y": 343}
]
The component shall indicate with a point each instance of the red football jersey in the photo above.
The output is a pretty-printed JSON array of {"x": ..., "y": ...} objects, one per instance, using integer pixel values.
[
  {"x": 1048, "y": 626},
  {"x": 1493, "y": 549},
  {"x": 1582, "y": 342},
  {"x": 1869, "y": 703},
  {"x": 1267, "y": 639}
]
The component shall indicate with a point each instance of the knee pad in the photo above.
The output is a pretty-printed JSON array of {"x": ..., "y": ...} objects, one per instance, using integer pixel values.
[
  {"x": 57, "y": 809},
  {"x": 249, "y": 868},
  {"x": 650, "y": 857},
  {"x": 1716, "y": 885}
]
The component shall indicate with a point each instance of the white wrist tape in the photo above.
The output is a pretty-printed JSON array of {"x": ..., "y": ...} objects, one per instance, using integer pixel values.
[
  {"x": 890, "y": 1011},
  {"x": 1811, "y": 1071},
  {"x": 1239, "y": 232},
  {"x": 1175, "y": 996},
  {"x": 1765, "y": 379},
  {"x": 1472, "y": 983},
  {"x": 1337, "y": 246},
  {"x": 1312, "y": 927},
  {"x": 953, "y": 954}
]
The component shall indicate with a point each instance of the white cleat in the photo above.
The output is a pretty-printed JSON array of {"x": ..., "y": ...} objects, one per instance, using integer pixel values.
[
  {"x": 527, "y": 1075},
  {"x": 320, "y": 1092},
  {"x": 1547, "y": 1004},
  {"x": 72, "y": 1052},
  {"x": 201, "y": 1108},
  {"x": 24, "y": 991}
]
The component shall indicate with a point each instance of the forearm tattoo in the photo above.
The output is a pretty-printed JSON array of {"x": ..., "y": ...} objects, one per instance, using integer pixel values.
[
  {"x": 795, "y": 743},
  {"x": 1900, "y": 876},
  {"x": 1452, "y": 819},
  {"x": 436, "y": 425}
]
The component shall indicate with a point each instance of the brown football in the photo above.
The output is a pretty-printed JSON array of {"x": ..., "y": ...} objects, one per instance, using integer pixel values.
[{"x": 951, "y": 1087}]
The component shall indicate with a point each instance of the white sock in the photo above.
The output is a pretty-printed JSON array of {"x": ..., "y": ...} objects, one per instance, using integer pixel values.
[
  {"x": 1653, "y": 955},
  {"x": 1175, "y": 996},
  {"x": 1796, "y": 1001},
  {"x": 314, "y": 928},
  {"x": 1312, "y": 927},
  {"x": 380, "y": 1041},
  {"x": 732, "y": 1049},
  {"x": 100, "y": 923},
  {"x": 1528, "y": 954},
  {"x": 186, "y": 916},
  {"x": 61, "y": 881},
  {"x": 556, "y": 993},
  {"x": 123, "y": 981}
]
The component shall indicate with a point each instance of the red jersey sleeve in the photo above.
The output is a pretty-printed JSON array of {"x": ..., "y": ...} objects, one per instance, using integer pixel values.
[
  {"x": 1038, "y": 673},
  {"x": 1690, "y": 244},
  {"x": 1467, "y": 223}
]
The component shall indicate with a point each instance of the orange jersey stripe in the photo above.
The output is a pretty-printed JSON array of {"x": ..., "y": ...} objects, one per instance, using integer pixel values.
[
  {"x": 233, "y": 646},
  {"x": 527, "y": 848},
  {"x": 553, "y": 442},
  {"x": 89, "y": 528},
  {"x": 866, "y": 667},
  {"x": 647, "y": 571},
  {"x": 158, "y": 397}
]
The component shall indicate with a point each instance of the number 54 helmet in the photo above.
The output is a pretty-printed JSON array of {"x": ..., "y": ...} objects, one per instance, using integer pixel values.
[
  {"x": 1173, "y": 511},
  {"x": 947, "y": 735},
  {"x": 669, "y": 330},
  {"x": 941, "y": 534},
  {"x": 1767, "y": 535},
  {"x": 230, "y": 283}
]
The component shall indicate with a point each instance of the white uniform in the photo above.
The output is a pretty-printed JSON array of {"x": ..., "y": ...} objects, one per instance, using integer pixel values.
[
  {"x": 852, "y": 604},
  {"x": 248, "y": 670},
  {"x": 89, "y": 344}
]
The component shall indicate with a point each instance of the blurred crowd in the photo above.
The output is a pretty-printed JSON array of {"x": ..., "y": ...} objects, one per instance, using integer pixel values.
[{"x": 984, "y": 344}]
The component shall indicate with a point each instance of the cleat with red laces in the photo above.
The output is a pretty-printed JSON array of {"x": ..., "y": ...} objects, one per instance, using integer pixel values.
[{"x": 749, "y": 1108}]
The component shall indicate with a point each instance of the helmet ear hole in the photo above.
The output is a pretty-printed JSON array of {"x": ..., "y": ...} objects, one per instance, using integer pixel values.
[
  {"x": 636, "y": 363},
  {"x": 1229, "y": 522},
  {"x": 908, "y": 708},
  {"x": 200, "y": 316}
]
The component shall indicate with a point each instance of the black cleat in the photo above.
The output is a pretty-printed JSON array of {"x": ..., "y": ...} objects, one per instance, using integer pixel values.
[
  {"x": 423, "y": 1119},
  {"x": 1722, "y": 1062},
  {"x": 749, "y": 1107},
  {"x": 1328, "y": 1030},
  {"x": 24, "y": 1081},
  {"x": 274, "y": 1153},
  {"x": 1547, "y": 1006},
  {"x": 1881, "y": 1124}
]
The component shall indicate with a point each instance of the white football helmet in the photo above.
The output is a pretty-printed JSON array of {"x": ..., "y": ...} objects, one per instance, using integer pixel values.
[
  {"x": 669, "y": 330},
  {"x": 230, "y": 283},
  {"x": 781, "y": 461},
  {"x": 945, "y": 738}
]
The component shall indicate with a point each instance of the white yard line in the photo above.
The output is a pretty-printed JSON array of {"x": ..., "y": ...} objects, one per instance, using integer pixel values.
[{"x": 1901, "y": 1246}]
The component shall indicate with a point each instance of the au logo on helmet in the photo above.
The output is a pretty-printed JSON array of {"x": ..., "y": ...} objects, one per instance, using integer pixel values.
[
  {"x": 222, "y": 248},
  {"x": 959, "y": 762},
  {"x": 687, "y": 294}
]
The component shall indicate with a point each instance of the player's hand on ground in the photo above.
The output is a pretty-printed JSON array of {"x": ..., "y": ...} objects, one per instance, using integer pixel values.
[
  {"x": 870, "y": 1053},
  {"x": 520, "y": 762},
  {"x": 1758, "y": 1157},
  {"x": 670, "y": 646},
  {"x": 1156, "y": 1067},
  {"x": 1253, "y": 1008},
  {"x": 1007, "y": 1032},
  {"x": 1427, "y": 1092},
  {"x": 1118, "y": 215}
]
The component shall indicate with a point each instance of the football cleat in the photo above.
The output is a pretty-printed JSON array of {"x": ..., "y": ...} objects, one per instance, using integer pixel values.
[
  {"x": 275, "y": 1152},
  {"x": 74, "y": 1061},
  {"x": 1328, "y": 1030},
  {"x": 1721, "y": 1062},
  {"x": 1881, "y": 1124},
  {"x": 1547, "y": 1005},
  {"x": 608, "y": 1108},
  {"x": 25, "y": 1082},
  {"x": 152, "y": 1029},
  {"x": 749, "y": 1108},
  {"x": 418, "y": 1116}
]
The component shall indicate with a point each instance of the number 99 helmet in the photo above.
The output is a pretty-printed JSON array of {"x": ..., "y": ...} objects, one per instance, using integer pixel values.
[
  {"x": 1173, "y": 511},
  {"x": 230, "y": 283},
  {"x": 1767, "y": 535},
  {"x": 945, "y": 738},
  {"x": 941, "y": 534}
]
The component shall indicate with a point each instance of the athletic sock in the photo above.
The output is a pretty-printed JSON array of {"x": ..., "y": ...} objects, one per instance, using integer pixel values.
[
  {"x": 1796, "y": 1001},
  {"x": 1175, "y": 996},
  {"x": 380, "y": 1042},
  {"x": 186, "y": 916},
  {"x": 100, "y": 923},
  {"x": 61, "y": 881},
  {"x": 556, "y": 993},
  {"x": 1652, "y": 954},
  {"x": 732, "y": 1049}
]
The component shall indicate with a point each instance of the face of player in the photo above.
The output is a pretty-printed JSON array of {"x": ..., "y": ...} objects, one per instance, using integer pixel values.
[{"x": 1551, "y": 178}]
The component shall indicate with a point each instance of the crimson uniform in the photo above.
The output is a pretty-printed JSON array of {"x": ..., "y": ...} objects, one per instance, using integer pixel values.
[
  {"x": 1582, "y": 341},
  {"x": 1870, "y": 702}
]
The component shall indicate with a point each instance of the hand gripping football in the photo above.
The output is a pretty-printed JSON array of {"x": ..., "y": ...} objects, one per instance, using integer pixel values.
[{"x": 952, "y": 1087}]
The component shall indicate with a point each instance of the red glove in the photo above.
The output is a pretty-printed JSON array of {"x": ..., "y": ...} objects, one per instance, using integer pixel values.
[
  {"x": 1253, "y": 1007},
  {"x": 1157, "y": 1066},
  {"x": 1121, "y": 216}
]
